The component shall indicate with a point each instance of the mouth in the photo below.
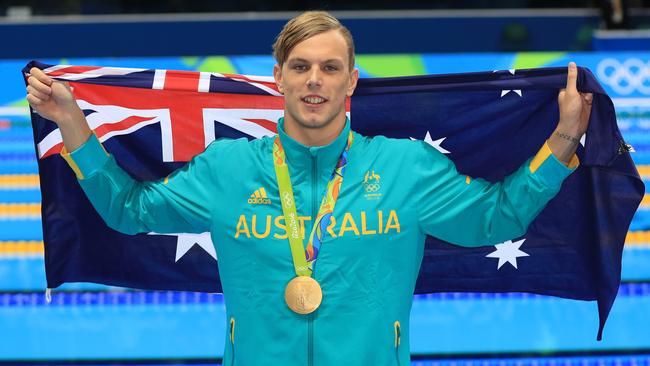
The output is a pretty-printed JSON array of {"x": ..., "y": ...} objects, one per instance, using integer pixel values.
[{"x": 313, "y": 100}]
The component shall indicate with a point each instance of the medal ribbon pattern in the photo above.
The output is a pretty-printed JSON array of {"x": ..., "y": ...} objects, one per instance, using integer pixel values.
[{"x": 303, "y": 263}]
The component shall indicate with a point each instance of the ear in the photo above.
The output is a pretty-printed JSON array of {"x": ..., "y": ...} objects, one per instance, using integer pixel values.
[
  {"x": 354, "y": 77},
  {"x": 277, "y": 75}
]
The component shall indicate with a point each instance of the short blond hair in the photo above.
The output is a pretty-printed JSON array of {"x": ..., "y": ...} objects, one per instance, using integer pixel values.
[{"x": 307, "y": 25}]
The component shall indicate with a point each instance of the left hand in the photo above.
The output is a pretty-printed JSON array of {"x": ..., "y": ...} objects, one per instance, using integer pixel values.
[{"x": 575, "y": 107}]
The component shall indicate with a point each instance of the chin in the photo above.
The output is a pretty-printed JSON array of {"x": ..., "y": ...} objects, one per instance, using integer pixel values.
[{"x": 314, "y": 123}]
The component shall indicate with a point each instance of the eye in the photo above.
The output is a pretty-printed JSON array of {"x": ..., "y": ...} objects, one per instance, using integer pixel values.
[
  {"x": 331, "y": 68},
  {"x": 300, "y": 67}
]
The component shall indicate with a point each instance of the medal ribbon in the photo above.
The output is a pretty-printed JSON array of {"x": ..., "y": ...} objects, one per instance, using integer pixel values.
[{"x": 303, "y": 259}]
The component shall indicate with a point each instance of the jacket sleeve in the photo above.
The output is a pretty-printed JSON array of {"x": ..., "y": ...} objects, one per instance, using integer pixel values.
[
  {"x": 179, "y": 203},
  {"x": 473, "y": 212}
]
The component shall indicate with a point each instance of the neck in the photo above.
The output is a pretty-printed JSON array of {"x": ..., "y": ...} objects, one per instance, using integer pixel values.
[{"x": 320, "y": 136}]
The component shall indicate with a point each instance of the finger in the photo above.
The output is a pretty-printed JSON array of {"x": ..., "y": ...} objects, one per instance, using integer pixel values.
[
  {"x": 33, "y": 101},
  {"x": 572, "y": 77},
  {"x": 39, "y": 85},
  {"x": 588, "y": 98},
  {"x": 38, "y": 94},
  {"x": 40, "y": 75}
]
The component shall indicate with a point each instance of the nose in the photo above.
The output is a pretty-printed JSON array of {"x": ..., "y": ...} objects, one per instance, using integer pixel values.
[{"x": 314, "y": 78}]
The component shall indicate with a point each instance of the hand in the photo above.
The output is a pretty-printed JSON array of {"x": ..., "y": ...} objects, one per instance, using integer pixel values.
[
  {"x": 54, "y": 101},
  {"x": 575, "y": 107},
  {"x": 51, "y": 99}
]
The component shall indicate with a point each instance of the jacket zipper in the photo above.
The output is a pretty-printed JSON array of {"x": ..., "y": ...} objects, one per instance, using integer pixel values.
[
  {"x": 232, "y": 340},
  {"x": 314, "y": 203},
  {"x": 310, "y": 345},
  {"x": 398, "y": 339}
]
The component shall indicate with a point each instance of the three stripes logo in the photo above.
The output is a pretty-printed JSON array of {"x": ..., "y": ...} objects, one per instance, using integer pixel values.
[{"x": 259, "y": 197}]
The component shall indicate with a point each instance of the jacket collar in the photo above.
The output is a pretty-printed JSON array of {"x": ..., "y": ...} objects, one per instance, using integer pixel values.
[{"x": 301, "y": 156}]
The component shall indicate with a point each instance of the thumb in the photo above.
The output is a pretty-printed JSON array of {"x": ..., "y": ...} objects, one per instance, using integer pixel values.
[
  {"x": 67, "y": 85},
  {"x": 62, "y": 91},
  {"x": 572, "y": 77}
]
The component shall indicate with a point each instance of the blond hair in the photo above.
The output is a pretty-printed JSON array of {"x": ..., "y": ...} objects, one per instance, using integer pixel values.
[{"x": 307, "y": 25}]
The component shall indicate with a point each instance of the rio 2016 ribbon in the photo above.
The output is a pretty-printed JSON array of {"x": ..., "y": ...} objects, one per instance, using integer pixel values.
[
  {"x": 303, "y": 259},
  {"x": 303, "y": 294}
]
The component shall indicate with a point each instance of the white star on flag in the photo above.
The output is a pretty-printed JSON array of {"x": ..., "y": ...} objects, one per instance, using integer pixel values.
[
  {"x": 508, "y": 252},
  {"x": 435, "y": 144},
  {"x": 186, "y": 241},
  {"x": 506, "y": 91}
]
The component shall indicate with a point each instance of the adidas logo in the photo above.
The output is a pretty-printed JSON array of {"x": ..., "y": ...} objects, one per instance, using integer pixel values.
[{"x": 259, "y": 197}]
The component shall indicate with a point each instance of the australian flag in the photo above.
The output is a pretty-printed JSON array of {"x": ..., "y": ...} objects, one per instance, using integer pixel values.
[{"x": 489, "y": 123}]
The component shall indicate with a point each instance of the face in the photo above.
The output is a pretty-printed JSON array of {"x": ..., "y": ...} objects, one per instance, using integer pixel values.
[{"x": 315, "y": 80}]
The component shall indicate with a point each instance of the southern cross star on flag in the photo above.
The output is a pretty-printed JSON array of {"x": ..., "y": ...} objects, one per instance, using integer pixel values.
[{"x": 488, "y": 123}]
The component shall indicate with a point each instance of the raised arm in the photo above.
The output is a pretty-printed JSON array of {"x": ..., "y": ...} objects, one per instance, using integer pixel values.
[
  {"x": 471, "y": 211},
  {"x": 181, "y": 202},
  {"x": 474, "y": 212}
]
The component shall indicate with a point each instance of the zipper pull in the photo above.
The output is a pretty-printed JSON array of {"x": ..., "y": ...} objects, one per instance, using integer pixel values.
[
  {"x": 398, "y": 333},
  {"x": 232, "y": 330}
]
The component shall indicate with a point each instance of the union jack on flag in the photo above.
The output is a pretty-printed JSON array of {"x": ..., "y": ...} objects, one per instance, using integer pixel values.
[
  {"x": 185, "y": 105},
  {"x": 489, "y": 123}
]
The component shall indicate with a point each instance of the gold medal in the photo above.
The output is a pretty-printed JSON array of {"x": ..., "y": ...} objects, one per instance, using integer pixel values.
[{"x": 303, "y": 295}]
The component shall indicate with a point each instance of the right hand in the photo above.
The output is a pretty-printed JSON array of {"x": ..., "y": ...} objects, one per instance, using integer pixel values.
[{"x": 49, "y": 98}]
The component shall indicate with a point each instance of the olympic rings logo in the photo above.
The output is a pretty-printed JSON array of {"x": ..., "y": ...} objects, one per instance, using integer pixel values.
[
  {"x": 624, "y": 78},
  {"x": 287, "y": 199},
  {"x": 372, "y": 187}
]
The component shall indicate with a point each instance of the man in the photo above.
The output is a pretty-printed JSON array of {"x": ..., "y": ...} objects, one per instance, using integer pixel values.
[{"x": 363, "y": 206}]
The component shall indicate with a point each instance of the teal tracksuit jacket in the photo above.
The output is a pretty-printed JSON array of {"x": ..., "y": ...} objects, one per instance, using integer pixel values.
[{"x": 394, "y": 193}]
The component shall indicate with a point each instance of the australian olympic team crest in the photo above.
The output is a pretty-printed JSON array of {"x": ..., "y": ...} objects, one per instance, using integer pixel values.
[{"x": 372, "y": 185}]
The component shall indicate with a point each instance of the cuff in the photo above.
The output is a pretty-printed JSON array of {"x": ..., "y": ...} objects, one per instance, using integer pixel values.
[
  {"x": 87, "y": 158},
  {"x": 551, "y": 170}
]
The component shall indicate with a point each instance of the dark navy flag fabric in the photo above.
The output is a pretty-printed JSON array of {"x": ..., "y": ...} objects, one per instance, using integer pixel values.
[{"x": 488, "y": 123}]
